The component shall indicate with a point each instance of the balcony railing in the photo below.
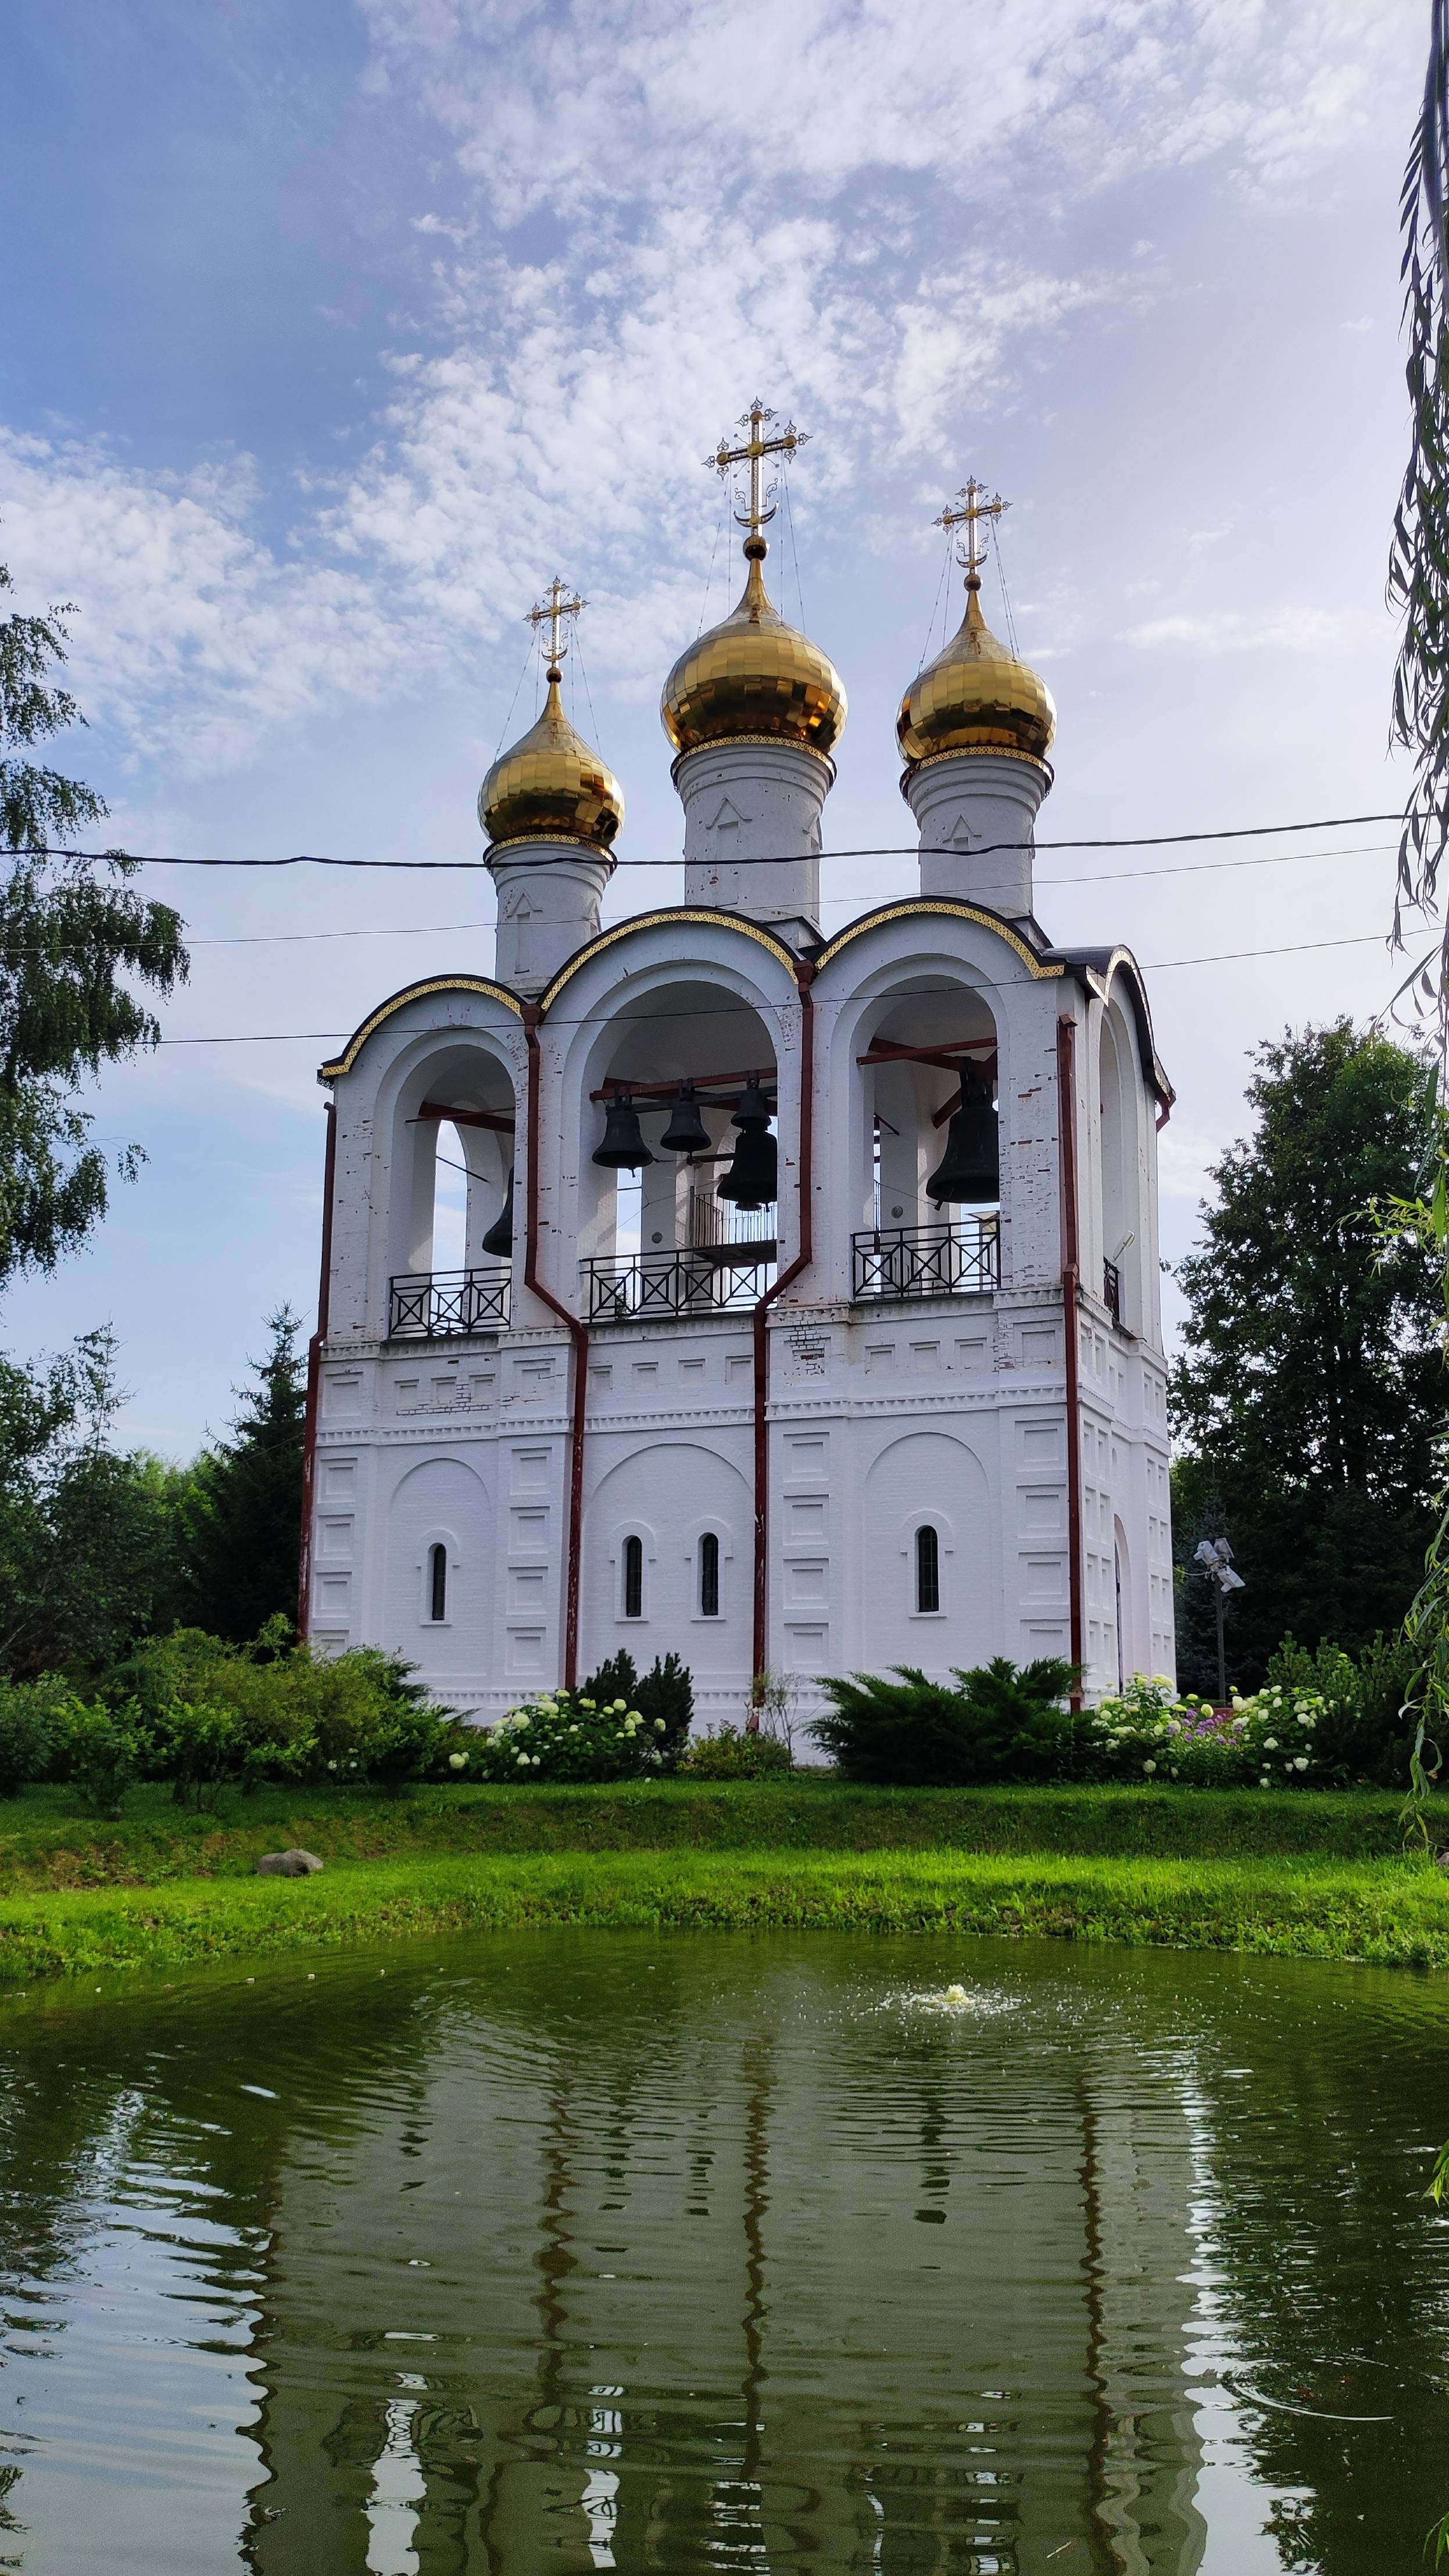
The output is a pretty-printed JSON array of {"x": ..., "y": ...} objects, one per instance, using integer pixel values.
[
  {"x": 706, "y": 1280},
  {"x": 432, "y": 1305},
  {"x": 1112, "y": 1290},
  {"x": 961, "y": 1260}
]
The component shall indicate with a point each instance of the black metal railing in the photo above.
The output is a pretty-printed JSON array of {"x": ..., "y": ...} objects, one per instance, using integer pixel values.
[
  {"x": 1112, "y": 1290},
  {"x": 431, "y": 1305},
  {"x": 960, "y": 1260},
  {"x": 707, "y": 1280}
]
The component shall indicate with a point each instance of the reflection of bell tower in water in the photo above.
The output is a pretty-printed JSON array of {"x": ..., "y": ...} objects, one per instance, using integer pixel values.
[{"x": 739, "y": 2318}]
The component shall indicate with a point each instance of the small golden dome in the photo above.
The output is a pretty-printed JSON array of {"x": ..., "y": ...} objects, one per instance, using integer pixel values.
[
  {"x": 753, "y": 675},
  {"x": 976, "y": 696},
  {"x": 551, "y": 786}
]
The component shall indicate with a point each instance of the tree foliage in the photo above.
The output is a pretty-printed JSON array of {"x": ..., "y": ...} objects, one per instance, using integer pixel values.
[
  {"x": 88, "y": 1535},
  {"x": 1419, "y": 553},
  {"x": 244, "y": 1517},
  {"x": 72, "y": 946},
  {"x": 1309, "y": 1400}
]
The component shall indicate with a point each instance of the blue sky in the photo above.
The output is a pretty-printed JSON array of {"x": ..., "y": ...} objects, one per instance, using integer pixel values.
[{"x": 333, "y": 332}]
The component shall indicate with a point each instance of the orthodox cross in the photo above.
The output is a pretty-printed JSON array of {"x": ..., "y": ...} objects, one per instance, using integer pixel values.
[
  {"x": 975, "y": 508},
  {"x": 551, "y": 611},
  {"x": 753, "y": 453}
]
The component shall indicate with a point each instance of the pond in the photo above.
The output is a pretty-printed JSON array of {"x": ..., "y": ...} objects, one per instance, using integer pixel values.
[{"x": 568, "y": 2252}]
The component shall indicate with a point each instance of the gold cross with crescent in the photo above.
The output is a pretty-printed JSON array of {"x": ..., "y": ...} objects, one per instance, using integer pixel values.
[
  {"x": 753, "y": 453},
  {"x": 551, "y": 611},
  {"x": 974, "y": 510}
]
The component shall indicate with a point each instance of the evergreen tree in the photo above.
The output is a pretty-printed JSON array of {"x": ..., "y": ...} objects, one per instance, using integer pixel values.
[
  {"x": 66, "y": 938},
  {"x": 1308, "y": 1405},
  {"x": 243, "y": 1548}
]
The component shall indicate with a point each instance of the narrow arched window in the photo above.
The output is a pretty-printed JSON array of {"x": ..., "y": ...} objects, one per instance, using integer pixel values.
[
  {"x": 437, "y": 1582},
  {"x": 709, "y": 1576},
  {"x": 633, "y": 1578},
  {"x": 928, "y": 1568}
]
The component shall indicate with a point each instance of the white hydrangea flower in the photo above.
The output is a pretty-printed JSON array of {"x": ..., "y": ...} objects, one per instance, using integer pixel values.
[
  {"x": 1300, "y": 1762},
  {"x": 1149, "y": 1766}
]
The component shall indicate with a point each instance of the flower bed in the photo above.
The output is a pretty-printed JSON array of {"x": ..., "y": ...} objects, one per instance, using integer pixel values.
[
  {"x": 1271, "y": 1741},
  {"x": 559, "y": 1737}
]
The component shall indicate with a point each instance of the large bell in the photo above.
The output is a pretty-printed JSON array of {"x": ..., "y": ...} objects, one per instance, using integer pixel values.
[
  {"x": 623, "y": 1148},
  {"x": 969, "y": 1172},
  {"x": 499, "y": 1238},
  {"x": 686, "y": 1132},
  {"x": 752, "y": 1180},
  {"x": 754, "y": 1108}
]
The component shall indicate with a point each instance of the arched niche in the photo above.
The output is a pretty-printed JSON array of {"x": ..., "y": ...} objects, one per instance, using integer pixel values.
[
  {"x": 668, "y": 1497},
  {"x": 455, "y": 1163},
  {"x": 441, "y": 1502},
  {"x": 1119, "y": 1099},
  {"x": 681, "y": 1026},
  {"x": 930, "y": 1478}
]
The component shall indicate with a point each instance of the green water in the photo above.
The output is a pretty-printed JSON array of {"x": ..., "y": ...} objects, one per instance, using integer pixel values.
[{"x": 564, "y": 2252}]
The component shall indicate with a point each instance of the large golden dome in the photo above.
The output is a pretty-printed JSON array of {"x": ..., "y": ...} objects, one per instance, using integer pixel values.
[
  {"x": 551, "y": 785},
  {"x": 976, "y": 696},
  {"x": 754, "y": 675}
]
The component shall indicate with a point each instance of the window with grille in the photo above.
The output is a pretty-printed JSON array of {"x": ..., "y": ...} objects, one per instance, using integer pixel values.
[
  {"x": 633, "y": 1578},
  {"x": 709, "y": 1576},
  {"x": 928, "y": 1568}
]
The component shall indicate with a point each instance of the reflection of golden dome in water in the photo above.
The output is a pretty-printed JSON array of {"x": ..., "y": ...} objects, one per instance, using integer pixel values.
[
  {"x": 551, "y": 786},
  {"x": 976, "y": 696},
  {"x": 754, "y": 675}
]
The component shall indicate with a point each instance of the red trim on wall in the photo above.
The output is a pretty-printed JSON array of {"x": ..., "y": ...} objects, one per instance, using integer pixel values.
[
  {"x": 804, "y": 977},
  {"x": 578, "y": 1335},
  {"x": 1071, "y": 1291},
  {"x": 314, "y": 1381}
]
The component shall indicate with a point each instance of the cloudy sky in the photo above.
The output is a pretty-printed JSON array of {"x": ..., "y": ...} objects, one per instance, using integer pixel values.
[{"x": 334, "y": 331}]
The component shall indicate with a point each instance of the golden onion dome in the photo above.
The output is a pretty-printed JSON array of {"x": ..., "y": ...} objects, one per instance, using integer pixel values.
[
  {"x": 754, "y": 675},
  {"x": 976, "y": 696},
  {"x": 551, "y": 785}
]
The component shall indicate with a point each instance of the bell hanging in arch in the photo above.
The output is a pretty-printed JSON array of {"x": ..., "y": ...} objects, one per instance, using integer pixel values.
[
  {"x": 623, "y": 1148},
  {"x": 752, "y": 1180},
  {"x": 686, "y": 1132},
  {"x": 499, "y": 1238},
  {"x": 969, "y": 1172},
  {"x": 754, "y": 1108}
]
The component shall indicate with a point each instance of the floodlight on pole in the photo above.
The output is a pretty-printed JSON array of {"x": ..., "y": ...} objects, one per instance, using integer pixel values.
[{"x": 1216, "y": 1559}]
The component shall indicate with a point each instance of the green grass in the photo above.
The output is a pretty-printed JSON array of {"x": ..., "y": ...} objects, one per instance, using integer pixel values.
[
  {"x": 48, "y": 1842},
  {"x": 1393, "y": 1912}
]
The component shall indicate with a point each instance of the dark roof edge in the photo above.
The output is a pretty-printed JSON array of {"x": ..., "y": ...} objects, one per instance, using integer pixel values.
[{"x": 1094, "y": 969}]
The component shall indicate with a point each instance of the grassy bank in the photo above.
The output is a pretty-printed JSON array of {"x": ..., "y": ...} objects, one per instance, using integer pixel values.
[
  {"x": 48, "y": 1842},
  {"x": 1393, "y": 1912}
]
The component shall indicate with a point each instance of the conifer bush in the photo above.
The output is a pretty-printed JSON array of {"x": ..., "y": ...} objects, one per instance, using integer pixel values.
[{"x": 1001, "y": 1723}]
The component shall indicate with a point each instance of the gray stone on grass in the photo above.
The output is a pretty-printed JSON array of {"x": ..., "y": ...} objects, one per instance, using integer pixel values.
[{"x": 287, "y": 1864}]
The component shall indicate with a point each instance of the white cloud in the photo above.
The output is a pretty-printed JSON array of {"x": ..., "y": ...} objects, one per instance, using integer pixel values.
[{"x": 1226, "y": 630}]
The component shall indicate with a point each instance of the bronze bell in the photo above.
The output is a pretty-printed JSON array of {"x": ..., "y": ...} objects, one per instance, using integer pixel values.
[
  {"x": 686, "y": 1132},
  {"x": 754, "y": 1108},
  {"x": 623, "y": 1148},
  {"x": 499, "y": 1238},
  {"x": 969, "y": 1172},
  {"x": 752, "y": 1180}
]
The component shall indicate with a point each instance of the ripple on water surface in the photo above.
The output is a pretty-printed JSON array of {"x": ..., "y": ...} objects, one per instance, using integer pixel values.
[{"x": 710, "y": 2253}]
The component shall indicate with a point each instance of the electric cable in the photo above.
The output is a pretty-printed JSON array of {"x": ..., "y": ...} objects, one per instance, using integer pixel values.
[
  {"x": 708, "y": 1011},
  {"x": 882, "y": 850}
]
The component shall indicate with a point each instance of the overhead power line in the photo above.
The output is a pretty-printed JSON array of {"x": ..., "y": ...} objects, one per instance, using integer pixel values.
[
  {"x": 606, "y": 1019},
  {"x": 885, "y": 850}
]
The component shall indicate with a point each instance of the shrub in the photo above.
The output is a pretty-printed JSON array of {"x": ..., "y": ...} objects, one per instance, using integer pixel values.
[
  {"x": 735, "y": 1755},
  {"x": 666, "y": 1692},
  {"x": 102, "y": 1750},
  {"x": 1365, "y": 1736},
  {"x": 1003, "y": 1723},
  {"x": 1277, "y": 1739},
  {"x": 556, "y": 1737},
  {"x": 275, "y": 1711},
  {"x": 30, "y": 1724}
]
